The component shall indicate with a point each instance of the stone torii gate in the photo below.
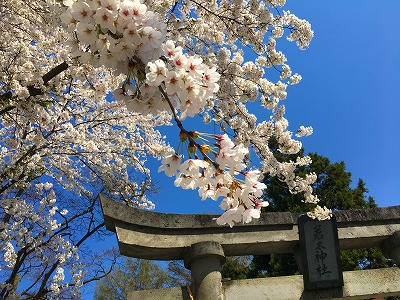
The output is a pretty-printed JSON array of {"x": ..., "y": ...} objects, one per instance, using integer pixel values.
[{"x": 203, "y": 245}]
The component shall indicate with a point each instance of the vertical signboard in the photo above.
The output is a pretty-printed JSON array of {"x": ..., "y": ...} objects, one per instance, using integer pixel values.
[{"x": 319, "y": 245}]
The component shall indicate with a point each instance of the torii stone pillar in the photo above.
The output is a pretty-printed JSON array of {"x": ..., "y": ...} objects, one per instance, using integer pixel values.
[
  {"x": 205, "y": 260},
  {"x": 203, "y": 245}
]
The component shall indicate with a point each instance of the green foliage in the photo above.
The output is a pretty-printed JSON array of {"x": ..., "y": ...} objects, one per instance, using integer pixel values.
[
  {"x": 139, "y": 274},
  {"x": 236, "y": 268},
  {"x": 371, "y": 258},
  {"x": 274, "y": 265}
]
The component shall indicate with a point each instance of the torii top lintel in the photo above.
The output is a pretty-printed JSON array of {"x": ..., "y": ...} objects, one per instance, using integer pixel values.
[{"x": 162, "y": 236}]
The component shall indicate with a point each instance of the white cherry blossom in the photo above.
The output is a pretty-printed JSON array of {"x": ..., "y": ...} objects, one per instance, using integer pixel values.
[
  {"x": 138, "y": 10},
  {"x": 157, "y": 72},
  {"x": 231, "y": 216},
  {"x": 170, "y": 50},
  {"x": 86, "y": 33},
  {"x": 170, "y": 164}
]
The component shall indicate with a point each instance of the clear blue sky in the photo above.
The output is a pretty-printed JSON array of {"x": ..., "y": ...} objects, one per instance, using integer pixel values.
[{"x": 350, "y": 94}]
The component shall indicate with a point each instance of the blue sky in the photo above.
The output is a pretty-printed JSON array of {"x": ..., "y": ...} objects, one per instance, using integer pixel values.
[
  {"x": 350, "y": 94},
  {"x": 351, "y": 89}
]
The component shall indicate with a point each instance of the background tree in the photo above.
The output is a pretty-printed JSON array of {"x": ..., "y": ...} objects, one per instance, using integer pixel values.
[
  {"x": 237, "y": 267},
  {"x": 139, "y": 274}
]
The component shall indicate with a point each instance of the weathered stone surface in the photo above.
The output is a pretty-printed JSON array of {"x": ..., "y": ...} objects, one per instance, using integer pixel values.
[
  {"x": 205, "y": 260},
  {"x": 204, "y": 249},
  {"x": 152, "y": 220},
  {"x": 151, "y": 235}
]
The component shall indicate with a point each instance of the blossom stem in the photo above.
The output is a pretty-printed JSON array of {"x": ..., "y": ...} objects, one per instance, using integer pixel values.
[{"x": 180, "y": 125}]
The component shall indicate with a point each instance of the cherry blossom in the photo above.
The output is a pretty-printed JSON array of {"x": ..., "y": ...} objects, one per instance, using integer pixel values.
[
  {"x": 81, "y": 12},
  {"x": 170, "y": 50},
  {"x": 157, "y": 72},
  {"x": 231, "y": 216},
  {"x": 170, "y": 164}
]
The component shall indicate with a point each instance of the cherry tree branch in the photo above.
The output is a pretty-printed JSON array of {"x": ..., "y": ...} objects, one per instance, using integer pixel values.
[
  {"x": 33, "y": 91},
  {"x": 187, "y": 133}
]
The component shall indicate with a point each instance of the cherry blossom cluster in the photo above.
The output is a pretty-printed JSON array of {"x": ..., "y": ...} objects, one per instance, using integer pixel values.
[
  {"x": 259, "y": 26},
  {"x": 187, "y": 82},
  {"x": 126, "y": 36},
  {"x": 219, "y": 178},
  {"x": 23, "y": 62},
  {"x": 118, "y": 34}
]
